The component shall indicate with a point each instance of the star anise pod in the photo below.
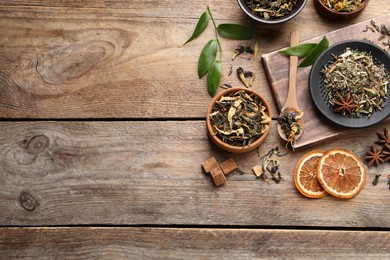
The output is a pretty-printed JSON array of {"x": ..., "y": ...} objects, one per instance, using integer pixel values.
[
  {"x": 374, "y": 156},
  {"x": 386, "y": 155},
  {"x": 344, "y": 105},
  {"x": 384, "y": 138},
  {"x": 386, "y": 152}
]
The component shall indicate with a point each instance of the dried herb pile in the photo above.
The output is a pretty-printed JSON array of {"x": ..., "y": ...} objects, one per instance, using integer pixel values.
[
  {"x": 271, "y": 9},
  {"x": 239, "y": 118},
  {"x": 355, "y": 85},
  {"x": 342, "y": 5}
]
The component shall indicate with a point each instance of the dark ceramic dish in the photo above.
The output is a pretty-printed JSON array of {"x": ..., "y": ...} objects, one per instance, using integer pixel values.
[
  {"x": 297, "y": 8},
  {"x": 316, "y": 84}
]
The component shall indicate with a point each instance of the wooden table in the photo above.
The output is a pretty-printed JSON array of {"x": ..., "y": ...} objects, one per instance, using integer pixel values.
[{"x": 103, "y": 135}]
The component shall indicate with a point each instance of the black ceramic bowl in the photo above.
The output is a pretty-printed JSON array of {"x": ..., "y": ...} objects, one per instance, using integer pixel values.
[
  {"x": 317, "y": 86},
  {"x": 295, "y": 11}
]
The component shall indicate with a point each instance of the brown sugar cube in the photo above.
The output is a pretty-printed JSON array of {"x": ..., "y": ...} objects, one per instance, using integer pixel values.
[
  {"x": 228, "y": 166},
  {"x": 210, "y": 164},
  {"x": 218, "y": 176}
]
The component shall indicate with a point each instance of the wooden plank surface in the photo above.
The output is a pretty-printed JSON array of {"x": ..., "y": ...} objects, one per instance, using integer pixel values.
[
  {"x": 317, "y": 128},
  {"x": 116, "y": 61},
  {"x": 135, "y": 173},
  {"x": 179, "y": 243},
  {"x": 138, "y": 171}
]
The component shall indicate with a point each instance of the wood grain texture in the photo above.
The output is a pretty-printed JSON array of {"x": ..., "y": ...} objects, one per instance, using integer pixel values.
[
  {"x": 59, "y": 59},
  {"x": 178, "y": 243},
  {"x": 114, "y": 173},
  {"x": 276, "y": 65},
  {"x": 106, "y": 59}
]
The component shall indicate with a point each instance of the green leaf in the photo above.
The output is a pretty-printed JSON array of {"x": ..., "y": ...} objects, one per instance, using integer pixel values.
[
  {"x": 200, "y": 26},
  {"x": 207, "y": 57},
  {"x": 315, "y": 53},
  {"x": 214, "y": 77},
  {"x": 301, "y": 50},
  {"x": 236, "y": 31}
]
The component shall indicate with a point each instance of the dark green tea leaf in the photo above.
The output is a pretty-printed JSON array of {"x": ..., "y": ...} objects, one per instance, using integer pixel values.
[
  {"x": 200, "y": 26},
  {"x": 236, "y": 31},
  {"x": 301, "y": 50},
  {"x": 214, "y": 77},
  {"x": 207, "y": 57},
  {"x": 315, "y": 53}
]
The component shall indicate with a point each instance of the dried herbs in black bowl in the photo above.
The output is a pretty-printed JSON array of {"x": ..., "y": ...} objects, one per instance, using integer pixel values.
[
  {"x": 349, "y": 84},
  {"x": 271, "y": 11}
]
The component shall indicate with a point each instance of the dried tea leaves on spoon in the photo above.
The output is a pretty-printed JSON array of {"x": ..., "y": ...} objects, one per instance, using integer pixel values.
[
  {"x": 355, "y": 85},
  {"x": 290, "y": 126},
  {"x": 239, "y": 118}
]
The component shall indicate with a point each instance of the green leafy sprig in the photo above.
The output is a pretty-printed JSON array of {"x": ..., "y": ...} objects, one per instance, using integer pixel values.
[
  {"x": 311, "y": 51},
  {"x": 208, "y": 62}
]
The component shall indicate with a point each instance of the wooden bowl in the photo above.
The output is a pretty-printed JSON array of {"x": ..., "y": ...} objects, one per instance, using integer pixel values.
[
  {"x": 228, "y": 147},
  {"x": 326, "y": 12},
  {"x": 295, "y": 11}
]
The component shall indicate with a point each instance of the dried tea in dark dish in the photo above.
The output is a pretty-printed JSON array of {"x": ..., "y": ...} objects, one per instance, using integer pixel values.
[
  {"x": 271, "y": 9},
  {"x": 354, "y": 85},
  {"x": 239, "y": 118}
]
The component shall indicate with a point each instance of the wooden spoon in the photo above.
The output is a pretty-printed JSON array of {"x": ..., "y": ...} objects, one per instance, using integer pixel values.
[{"x": 291, "y": 104}]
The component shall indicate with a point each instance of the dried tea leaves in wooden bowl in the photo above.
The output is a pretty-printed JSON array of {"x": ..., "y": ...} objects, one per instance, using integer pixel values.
[{"x": 238, "y": 120}]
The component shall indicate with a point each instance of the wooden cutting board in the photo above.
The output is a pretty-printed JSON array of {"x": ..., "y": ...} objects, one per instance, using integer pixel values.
[{"x": 317, "y": 128}]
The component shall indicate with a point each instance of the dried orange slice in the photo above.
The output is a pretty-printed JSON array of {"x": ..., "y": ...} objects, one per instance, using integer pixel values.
[
  {"x": 305, "y": 176},
  {"x": 341, "y": 173}
]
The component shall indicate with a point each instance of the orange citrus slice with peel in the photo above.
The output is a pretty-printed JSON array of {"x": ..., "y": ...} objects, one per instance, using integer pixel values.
[
  {"x": 341, "y": 173},
  {"x": 305, "y": 176}
]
